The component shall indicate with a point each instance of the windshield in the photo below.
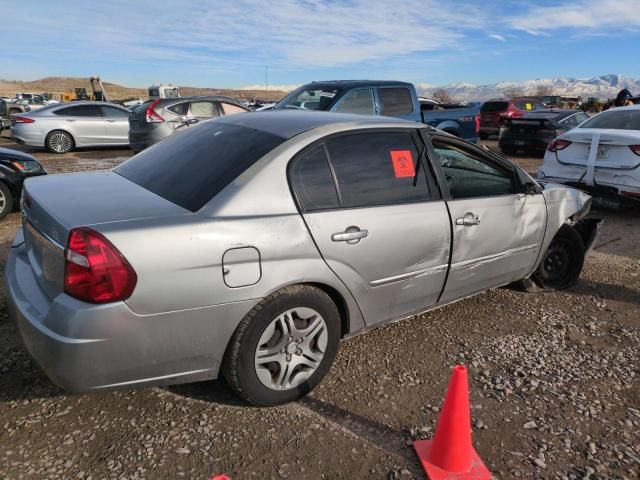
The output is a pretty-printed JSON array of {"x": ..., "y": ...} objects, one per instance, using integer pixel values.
[
  {"x": 494, "y": 106},
  {"x": 309, "y": 98},
  {"x": 618, "y": 119},
  {"x": 191, "y": 168}
]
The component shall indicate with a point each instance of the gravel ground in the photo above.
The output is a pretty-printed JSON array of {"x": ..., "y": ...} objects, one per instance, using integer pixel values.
[{"x": 553, "y": 378}]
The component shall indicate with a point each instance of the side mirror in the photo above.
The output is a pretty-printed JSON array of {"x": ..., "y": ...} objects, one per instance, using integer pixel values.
[
  {"x": 188, "y": 121},
  {"x": 530, "y": 188}
]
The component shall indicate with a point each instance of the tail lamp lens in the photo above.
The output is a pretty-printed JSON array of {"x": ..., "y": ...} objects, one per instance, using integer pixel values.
[
  {"x": 95, "y": 271},
  {"x": 23, "y": 120},
  {"x": 635, "y": 149},
  {"x": 558, "y": 144},
  {"x": 151, "y": 114}
]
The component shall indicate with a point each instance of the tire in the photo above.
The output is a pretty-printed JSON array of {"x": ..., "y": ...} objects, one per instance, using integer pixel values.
[
  {"x": 262, "y": 381},
  {"x": 59, "y": 141},
  {"x": 6, "y": 201},
  {"x": 562, "y": 262}
]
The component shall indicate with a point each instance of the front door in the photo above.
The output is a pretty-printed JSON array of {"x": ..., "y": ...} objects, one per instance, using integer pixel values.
[
  {"x": 497, "y": 231},
  {"x": 377, "y": 220}
]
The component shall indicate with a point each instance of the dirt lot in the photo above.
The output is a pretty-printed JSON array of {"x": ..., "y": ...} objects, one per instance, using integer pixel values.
[{"x": 553, "y": 377}]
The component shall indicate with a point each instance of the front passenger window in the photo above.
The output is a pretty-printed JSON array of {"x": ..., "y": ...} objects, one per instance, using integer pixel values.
[{"x": 469, "y": 175}]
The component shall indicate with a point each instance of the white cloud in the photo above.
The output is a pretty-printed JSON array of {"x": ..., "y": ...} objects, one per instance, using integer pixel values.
[
  {"x": 495, "y": 36},
  {"x": 586, "y": 14}
]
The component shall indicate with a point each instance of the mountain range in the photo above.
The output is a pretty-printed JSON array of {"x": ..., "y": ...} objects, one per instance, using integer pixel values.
[{"x": 603, "y": 87}]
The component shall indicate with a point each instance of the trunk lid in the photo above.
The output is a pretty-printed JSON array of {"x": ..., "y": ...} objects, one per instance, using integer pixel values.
[
  {"x": 613, "y": 148},
  {"x": 55, "y": 204}
]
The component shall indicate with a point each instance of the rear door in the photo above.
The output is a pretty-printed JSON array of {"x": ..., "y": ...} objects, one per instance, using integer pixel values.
[
  {"x": 376, "y": 218},
  {"x": 497, "y": 232},
  {"x": 85, "y": 123},
  {"x": 117, "y": 124}
]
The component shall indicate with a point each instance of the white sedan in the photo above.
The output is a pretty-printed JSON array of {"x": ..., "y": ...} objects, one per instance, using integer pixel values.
[{"x": 601, "y": 154}]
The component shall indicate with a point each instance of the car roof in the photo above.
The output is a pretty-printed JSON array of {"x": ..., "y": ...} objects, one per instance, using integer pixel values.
[
  {"x": 287, "y": 124},
  {"x": 355, "y": 83}
]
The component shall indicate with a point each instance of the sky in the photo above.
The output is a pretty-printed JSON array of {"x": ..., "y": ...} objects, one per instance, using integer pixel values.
[{"x": 229, "y": 44}]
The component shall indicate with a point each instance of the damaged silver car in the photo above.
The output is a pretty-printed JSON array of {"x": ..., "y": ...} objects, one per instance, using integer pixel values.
[{"x": 250, "y": 245}]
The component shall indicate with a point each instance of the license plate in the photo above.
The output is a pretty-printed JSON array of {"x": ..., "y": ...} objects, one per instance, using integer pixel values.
[
  {"x": 603, "y": 152},
  {"x": 520, "y": 143}
]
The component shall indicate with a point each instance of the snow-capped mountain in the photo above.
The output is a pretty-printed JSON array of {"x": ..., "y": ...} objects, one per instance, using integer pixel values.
[{"x": 603, "y": 87}]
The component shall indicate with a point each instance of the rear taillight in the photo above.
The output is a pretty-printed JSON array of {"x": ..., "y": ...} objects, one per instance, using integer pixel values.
[
  {"x": 558, "y": 144},
  {"x": 23, "y": 120},
  {"x": 95, "y": 271},
  {"x": 151, "y": 115},
  {"x": 635, "y": 149},
  {"x": 476, "y": 119}
]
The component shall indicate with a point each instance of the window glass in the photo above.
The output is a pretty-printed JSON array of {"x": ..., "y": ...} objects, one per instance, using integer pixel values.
[
  {"x": 179, "y": 108},
  {"x": 79, "y": 111},
  {"x": 309, "y": 99},
  {"x": 230, "y": 109},
  {"x": 359, "y": 102},
  {"x": 112, "y": 112},
  {"x": 377, "y": 169},
  {"x": 203, "y": 109},
  {"x": 469, "y": 174},
  {"x": 494, "y": 106},
  {"x": 615, "y": 118},
  {"x": 3, "y": 108},
  {"x": 581, "y": 117},
  {"x": 312, "y": 181},
  {"x": 207, "y": 158},
  {"x": 529, "y": 105},
  {"x": 395, "y": 101}
]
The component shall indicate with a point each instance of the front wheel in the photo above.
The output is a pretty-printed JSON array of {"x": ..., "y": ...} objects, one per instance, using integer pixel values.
[
  {"x": 562, "y": 263},
  {"x": 284, "y": 346},
  {"x": 6, "y": 201}
]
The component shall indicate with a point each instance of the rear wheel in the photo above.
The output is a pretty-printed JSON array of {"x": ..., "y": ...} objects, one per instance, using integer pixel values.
[
  {"x": 284, "y": 346},
  {"x": 6, "y": 200},
  {"x": 59, "y": 141},
  {"x": 562, "y": 263}
]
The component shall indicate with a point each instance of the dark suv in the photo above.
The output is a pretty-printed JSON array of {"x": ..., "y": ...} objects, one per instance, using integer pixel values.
[
  {"x": 493, "y": 112},
  {"x": 157, "y": 119}
]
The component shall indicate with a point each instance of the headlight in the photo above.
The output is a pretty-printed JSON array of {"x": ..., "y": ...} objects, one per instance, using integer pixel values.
[{"x": 26, "y": 166}]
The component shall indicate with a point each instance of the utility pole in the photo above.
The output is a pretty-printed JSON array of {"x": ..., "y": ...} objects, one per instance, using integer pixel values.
[{"x": 266, "y": 83}]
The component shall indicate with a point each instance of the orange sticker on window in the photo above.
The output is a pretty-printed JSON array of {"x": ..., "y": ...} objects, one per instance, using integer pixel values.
[{"x": 402, "y": 163}]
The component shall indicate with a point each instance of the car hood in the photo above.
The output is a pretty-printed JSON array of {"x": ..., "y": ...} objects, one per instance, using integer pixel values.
[{"x": 16, "y": 154}]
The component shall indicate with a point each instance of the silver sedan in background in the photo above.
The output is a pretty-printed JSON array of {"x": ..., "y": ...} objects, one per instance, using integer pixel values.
[
  {"x": 61, "y": 128},
  {"x": 289, "y": 232}
]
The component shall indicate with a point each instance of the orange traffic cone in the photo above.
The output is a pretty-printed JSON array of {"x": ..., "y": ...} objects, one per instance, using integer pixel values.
[{"x": 450, "y": 454}]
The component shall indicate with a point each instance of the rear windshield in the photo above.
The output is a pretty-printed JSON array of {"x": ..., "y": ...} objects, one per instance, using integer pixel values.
[
  {"x": 615, "y": 118},
  {"x": 494, "y": 106},
  {"x": 190, "y": 168}
]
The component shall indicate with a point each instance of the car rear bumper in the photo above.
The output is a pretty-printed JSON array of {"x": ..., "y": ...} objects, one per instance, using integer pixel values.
[
  {"x": 84, "y": 347},
  {"x": 605, "y": 180},
  {"x": 26, "y": 136},
  {"x": 484, "y": 130},
  {"x": 139, "y": 140},
  {"x": 524, "y": 142}
]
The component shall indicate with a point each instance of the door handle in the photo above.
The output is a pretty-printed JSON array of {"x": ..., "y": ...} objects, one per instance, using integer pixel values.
[
  {"x": 110, "y": 121},
  {"x": 468, "y": 220},
  {"x": 70, "y": 120},
  {"x": 351, "y": 235}
]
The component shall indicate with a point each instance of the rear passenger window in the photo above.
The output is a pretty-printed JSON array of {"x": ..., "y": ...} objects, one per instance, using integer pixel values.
[
  {"x": 203, "y": 109},
  {"x": 395, "y": 101},
  {"x": 79, "y": 111},
  {"x": 312, "y": 181},
  {"x": 179, "y": 108},
  {"x": 359, "y": 102},
  {"x": 377, "y": 169}
]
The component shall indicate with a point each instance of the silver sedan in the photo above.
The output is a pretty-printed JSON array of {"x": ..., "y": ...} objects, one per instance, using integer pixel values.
[
  {"x": 250, "y": 245},
  {"x": 63, "y": 127}
]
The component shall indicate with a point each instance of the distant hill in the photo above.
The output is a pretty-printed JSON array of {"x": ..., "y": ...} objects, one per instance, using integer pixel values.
[
  {"x": 59, "y": 85},
  {"x": 603, "y": 87}
]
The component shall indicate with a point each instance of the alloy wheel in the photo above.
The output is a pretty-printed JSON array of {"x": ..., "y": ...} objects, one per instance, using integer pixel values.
[{"x": 60, "y": 142}]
